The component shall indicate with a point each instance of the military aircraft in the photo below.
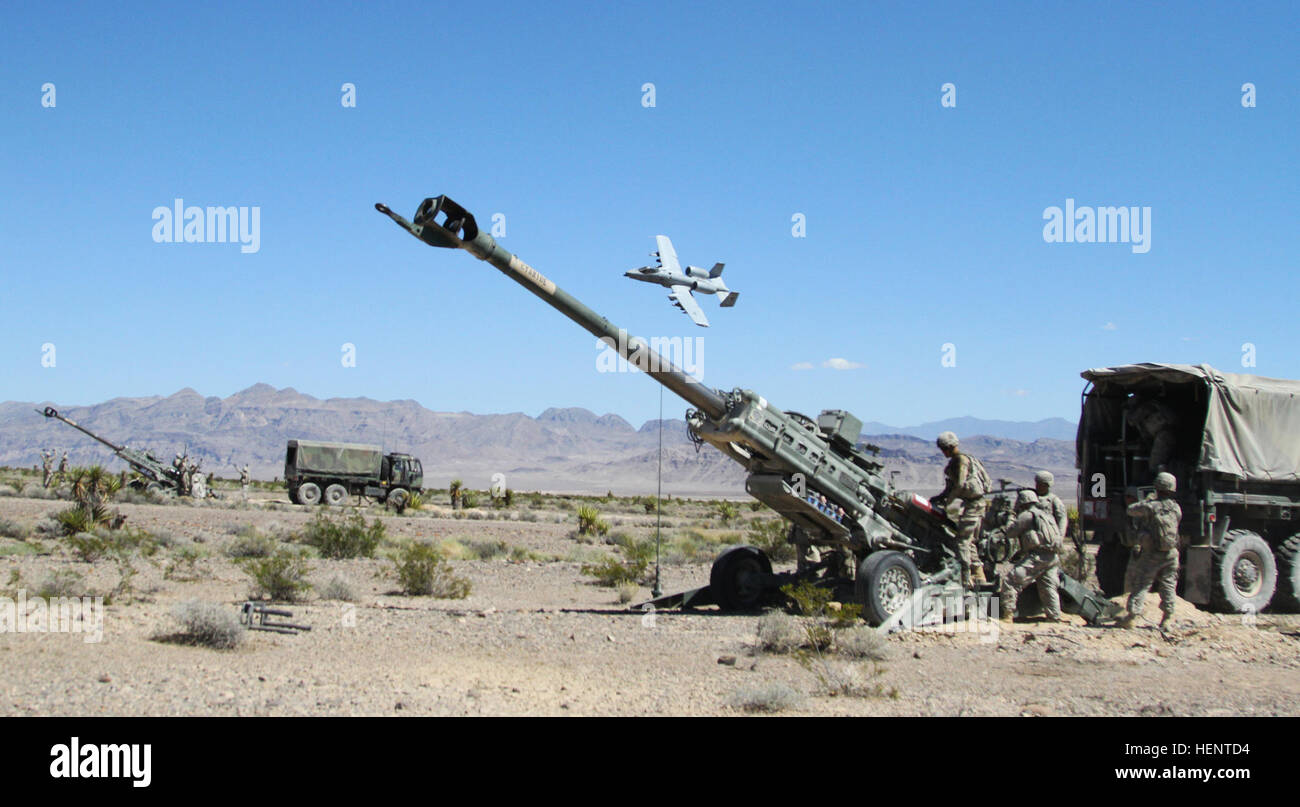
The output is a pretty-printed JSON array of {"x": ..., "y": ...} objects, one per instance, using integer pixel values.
[{"x": 668, "y": 272}]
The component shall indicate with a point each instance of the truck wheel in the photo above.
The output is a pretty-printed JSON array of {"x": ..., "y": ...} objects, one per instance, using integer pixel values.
[
  {"x": 336, "y": 494},
  {"x": 885, "y": 583},
  {"x": 309, "y": 493},
  {"x": 397, "y": 499},
  {"x": 1244, "y": 574},
  {"x": 1112, "y": 564},
  {"x": 737, "y": 578},
  {"x": 1288, "y": 575},
  {"x": 293, "y": 496}
]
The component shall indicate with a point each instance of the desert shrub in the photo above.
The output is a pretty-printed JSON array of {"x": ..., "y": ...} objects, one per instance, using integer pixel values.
[
  {"x": 280, "y": 575},
  {"x": 415, "y": 501},
  {"x": 627, "y": 592},
  {"x": 590, "y": 522},
  {"x": 422, "y": 570},
  {"x": 727, "y": 512},
  {"x": 487, "y": 550},
  {"x": 337, "y": 589},
  {"x": 345, "y": 536},
  {"x": 469, "y": 498},
  {"x": 207, "y": 624},
  {"x": 778, "y": 632},
  {"x": 12, "y": 529},
  {"x": 183, "y": 564},
  {"x": 630, "y": 567},
  {"x": 77, "y": 519},
  {"x": 250, "y": 542},
  {"x": 862, "y": 642},
  {"x": 33, "y": 490},
  {"x": 649, "y": 507},
  {"x": 769, "y": 535},
  {"x": 62, "y": 583},
  {"x": 755, "y": 506},
  {"x": 93, "y": 545},
  {"x": 769, "y": 697}
]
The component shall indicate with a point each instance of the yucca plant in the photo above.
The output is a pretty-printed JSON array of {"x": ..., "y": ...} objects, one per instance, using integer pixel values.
[{"x": 454, "y": 490}]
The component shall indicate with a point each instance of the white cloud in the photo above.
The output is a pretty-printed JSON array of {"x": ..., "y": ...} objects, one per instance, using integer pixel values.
[
  {"x": 1020, "y": 393},
  {"x": 803, "y": 365},
  {"x": 841, "y": 364},
  {"x": 1110, "y": 326}
]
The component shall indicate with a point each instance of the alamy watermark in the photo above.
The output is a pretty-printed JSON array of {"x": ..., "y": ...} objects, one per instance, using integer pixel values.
[
  {"x": 25, "y": 614},
  {"x": 211, "y": 225},
  {"x": 1098, "y": 225},
  {"x": 686, "y": 352}
]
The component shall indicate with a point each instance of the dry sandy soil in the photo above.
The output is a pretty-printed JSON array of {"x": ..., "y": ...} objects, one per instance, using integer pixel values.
[{"x": 535, "y": 639}]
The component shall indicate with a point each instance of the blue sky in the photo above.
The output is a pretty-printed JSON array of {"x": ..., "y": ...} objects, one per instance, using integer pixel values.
[{"x": 924, "y": 224}]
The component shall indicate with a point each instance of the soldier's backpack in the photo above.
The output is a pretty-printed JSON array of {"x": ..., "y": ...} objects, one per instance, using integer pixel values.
[
  {"x": 1049, "y": 532},
  {"x": 978, "y": 482}
]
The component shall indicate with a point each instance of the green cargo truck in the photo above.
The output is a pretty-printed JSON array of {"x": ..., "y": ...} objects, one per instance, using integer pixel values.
[{"x": 316, "y": 472}]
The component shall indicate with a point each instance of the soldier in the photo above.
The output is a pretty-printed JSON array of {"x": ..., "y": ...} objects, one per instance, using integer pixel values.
[
  {"x": 1043, "y": 487},
  {"x": 966, "y": 482},
  {"x": 1154, "y": 423},
  {"x": 178, "y": 465},
  {"x": 244, "y": 481},
  {"x": 1155, "y": 558},
  {"x": 1038, "y": 559},
  {"x": 47, "y": 467},
  {"x": 63, "y": 469}
]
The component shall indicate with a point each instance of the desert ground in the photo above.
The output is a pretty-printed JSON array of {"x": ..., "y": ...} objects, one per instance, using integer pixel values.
[{"x": 537, "y": 636}]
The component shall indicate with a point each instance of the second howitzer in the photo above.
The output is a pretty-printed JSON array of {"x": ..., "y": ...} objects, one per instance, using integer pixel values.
[
  {"x": 885, "y": 547},
  {"x": 154, "y": 473}
]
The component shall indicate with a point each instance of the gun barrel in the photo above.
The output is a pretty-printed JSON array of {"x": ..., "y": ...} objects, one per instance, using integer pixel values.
[
  {"x": 459, "y": 231},
  {"x": 51, "y": 412}
]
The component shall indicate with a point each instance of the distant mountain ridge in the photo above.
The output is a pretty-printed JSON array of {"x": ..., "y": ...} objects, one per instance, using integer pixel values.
[{"x": 562, "y": 449}]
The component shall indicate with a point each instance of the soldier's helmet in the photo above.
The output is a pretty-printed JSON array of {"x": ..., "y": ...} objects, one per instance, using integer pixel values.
[
  {"x": 1166, "y": 481},
  {"x": 1044, "y": 478},
  {"x": 946, "y": 440},
  {"x": 1027, "y": 498}
]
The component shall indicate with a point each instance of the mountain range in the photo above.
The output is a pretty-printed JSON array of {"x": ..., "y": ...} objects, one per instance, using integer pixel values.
[{"x": 562, "y": 449}]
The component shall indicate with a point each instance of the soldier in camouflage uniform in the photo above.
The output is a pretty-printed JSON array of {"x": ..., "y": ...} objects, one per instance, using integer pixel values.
[
  {"x": 966, "y": 482},
  {"x": 1154, "y": 423},
  {"x": 47, "y": 467},
  {"x": 1043, "y": 487},
  {"x": 244, "y": 481},
  {"x": 1038, "y": 560},
  {"x": 1155, "y": 558},
  {"x": 63, "y": 469}
]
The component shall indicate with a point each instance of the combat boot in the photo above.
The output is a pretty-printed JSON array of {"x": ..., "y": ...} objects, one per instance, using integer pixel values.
[
  {"x": 977, "y": 577},
  {"x": 1127, "y": 620},
  {"x": 1166, "y": 622}
]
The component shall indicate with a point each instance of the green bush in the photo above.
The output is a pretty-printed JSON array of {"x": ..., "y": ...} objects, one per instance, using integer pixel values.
[
  {"x": 422, "y": 570},
  {"x": 207, "y": 624},
  {"x": 338, "y": 589},
  {"x": 770, "y": 535},
  {"x": 63, "y": 583},
  {"x": 347, "y": 536},
  {"x": 590, "y": 522},
  {"x": 250, "y": 542},
  {"x": 727, "y": 512},
  {"x": 280, "y": 575},
  {"x": 630, "y": 567}
]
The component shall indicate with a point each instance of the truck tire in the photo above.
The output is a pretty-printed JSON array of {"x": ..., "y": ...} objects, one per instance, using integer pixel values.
[
  {"x": 885, "y": 583},
  {"x": 397, "y": 498},
  {"x": 1112, "y": 565},
  {"x": 336, "y": 495},
  {"x": 1287, "y": 597},
  {"x": 1244, "y": 574},
  {"x": 309, "y": 493},
  {"x": 737, "y": 578}
]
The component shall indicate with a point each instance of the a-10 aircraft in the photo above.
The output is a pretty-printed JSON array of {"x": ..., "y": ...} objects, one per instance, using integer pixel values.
[{"x": 668, "y": 272}]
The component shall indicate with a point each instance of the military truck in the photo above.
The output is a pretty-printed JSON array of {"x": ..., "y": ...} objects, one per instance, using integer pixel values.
[
  {"x": 316, "y": 472},
  {"x": 1232, "y": 441}
]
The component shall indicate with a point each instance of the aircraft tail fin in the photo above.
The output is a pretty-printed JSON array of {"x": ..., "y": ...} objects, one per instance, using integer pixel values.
[
  {"x": 716, "y": 271},
  {"x": 730, "y": 299}
]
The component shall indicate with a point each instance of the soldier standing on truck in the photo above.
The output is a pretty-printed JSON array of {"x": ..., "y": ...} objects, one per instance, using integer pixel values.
[
  {"x": 1155, "y": 558},
  {"x": 1038, "y": 559},
  {"x": 965, "y": 481},
  {"x": 1154, "y": 423},
  {"x": 1043, "y": 487},
  {"x": 47, "y": 467}
]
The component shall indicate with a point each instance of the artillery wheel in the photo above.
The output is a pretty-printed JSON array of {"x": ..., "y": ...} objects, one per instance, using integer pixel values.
[
  {"x": 1288, "y": 575},
  {"x": 1245, "y": 573},
  {"x": 153, "y": 487},
  {"x": 885, "y": 583},
  {"x": 1112, "y": 566},
  {"x": 398, "y": 498},
  {"x": 309, "y": 493},
  {"x": 336, "y": 494},
  {"x": 737, "y": 578}
]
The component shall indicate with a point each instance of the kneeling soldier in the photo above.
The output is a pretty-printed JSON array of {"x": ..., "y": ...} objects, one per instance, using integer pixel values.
[{"x": 1038, "y": 559}]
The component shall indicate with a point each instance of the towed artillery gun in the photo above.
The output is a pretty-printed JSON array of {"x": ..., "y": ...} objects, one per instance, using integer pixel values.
[
  {"x": 154, "y": 474},
  {"x": 881, "y": 552}
]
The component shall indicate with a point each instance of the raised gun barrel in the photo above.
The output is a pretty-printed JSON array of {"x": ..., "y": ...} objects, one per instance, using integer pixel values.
[
  {"x": 459, "y": 230},
  {"x": 144, "y": 463},
  {"x": 51, "y": 412}
]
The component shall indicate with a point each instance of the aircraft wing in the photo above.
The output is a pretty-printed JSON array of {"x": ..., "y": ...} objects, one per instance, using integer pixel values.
[
  {"x": 683, "y": 299},
  {"x": 668, "y": 255}
]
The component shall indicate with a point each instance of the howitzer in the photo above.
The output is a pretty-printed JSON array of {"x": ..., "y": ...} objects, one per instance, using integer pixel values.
[
  {"x": 156, "y": 474},
  {"x": 887, "y": 544}
]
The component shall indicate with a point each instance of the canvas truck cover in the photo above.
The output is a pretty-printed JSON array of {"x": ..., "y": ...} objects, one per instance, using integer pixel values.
[
  {"x": 339, "y": 458},
  {"x": 1252, "y": 423}
]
